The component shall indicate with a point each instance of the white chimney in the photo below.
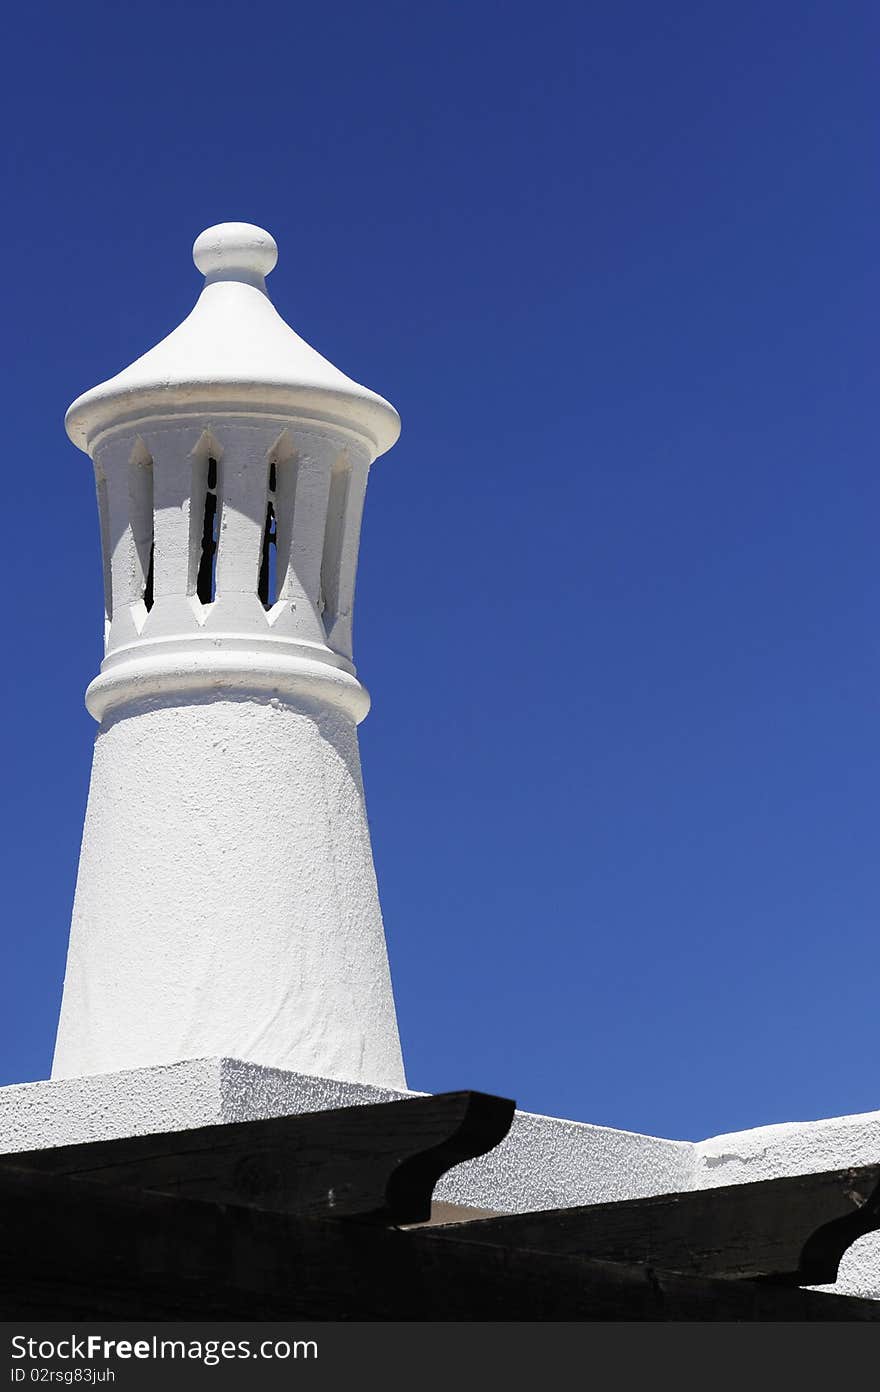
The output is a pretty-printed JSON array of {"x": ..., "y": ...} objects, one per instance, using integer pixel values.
[{"x": 226, "y": 901}]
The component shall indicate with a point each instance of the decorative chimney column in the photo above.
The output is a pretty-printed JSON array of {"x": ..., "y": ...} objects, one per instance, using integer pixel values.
[{"x": 226, "y": 901}]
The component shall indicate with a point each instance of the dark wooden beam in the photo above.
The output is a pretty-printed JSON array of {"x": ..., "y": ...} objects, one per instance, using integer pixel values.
[
  {"x": 379, "y": 1161},
  {"x": 72, "y": 1249},
  {"x": 791, "y": 1230}
]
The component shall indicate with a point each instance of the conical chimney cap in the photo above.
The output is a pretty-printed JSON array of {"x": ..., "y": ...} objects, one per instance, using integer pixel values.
[{"x": 234, "y": 352}]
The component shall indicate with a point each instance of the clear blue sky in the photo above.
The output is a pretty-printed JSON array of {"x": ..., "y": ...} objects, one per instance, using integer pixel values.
[{"x": 619, "y": 595}]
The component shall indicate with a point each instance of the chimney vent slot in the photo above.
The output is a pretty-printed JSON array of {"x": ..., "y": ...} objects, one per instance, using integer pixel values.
[
  {"x": 140, "y": 497},
  {"x": 106, "y": 540},
  {"x": 206, "y": 500},
  {"x": 267, "y": 586}
]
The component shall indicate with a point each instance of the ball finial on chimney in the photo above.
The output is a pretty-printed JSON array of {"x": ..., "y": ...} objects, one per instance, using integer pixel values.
[{"x": 225, "y": 251}]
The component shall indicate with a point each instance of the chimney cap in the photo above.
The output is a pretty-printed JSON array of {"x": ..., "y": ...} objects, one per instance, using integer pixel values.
[{"x": 233, "y": 352}]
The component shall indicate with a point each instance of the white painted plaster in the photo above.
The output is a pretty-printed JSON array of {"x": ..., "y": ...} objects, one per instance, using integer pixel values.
[{"x": 226, "y": 902}]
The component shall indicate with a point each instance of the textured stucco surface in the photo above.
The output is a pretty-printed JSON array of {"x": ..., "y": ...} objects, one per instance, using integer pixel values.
[
  {"x": 544, "y": 1162},
  {"x": 226, "y": 901},
  {"x": 768, "y": 1152},
  {"x": 65, "y": 1112}
]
